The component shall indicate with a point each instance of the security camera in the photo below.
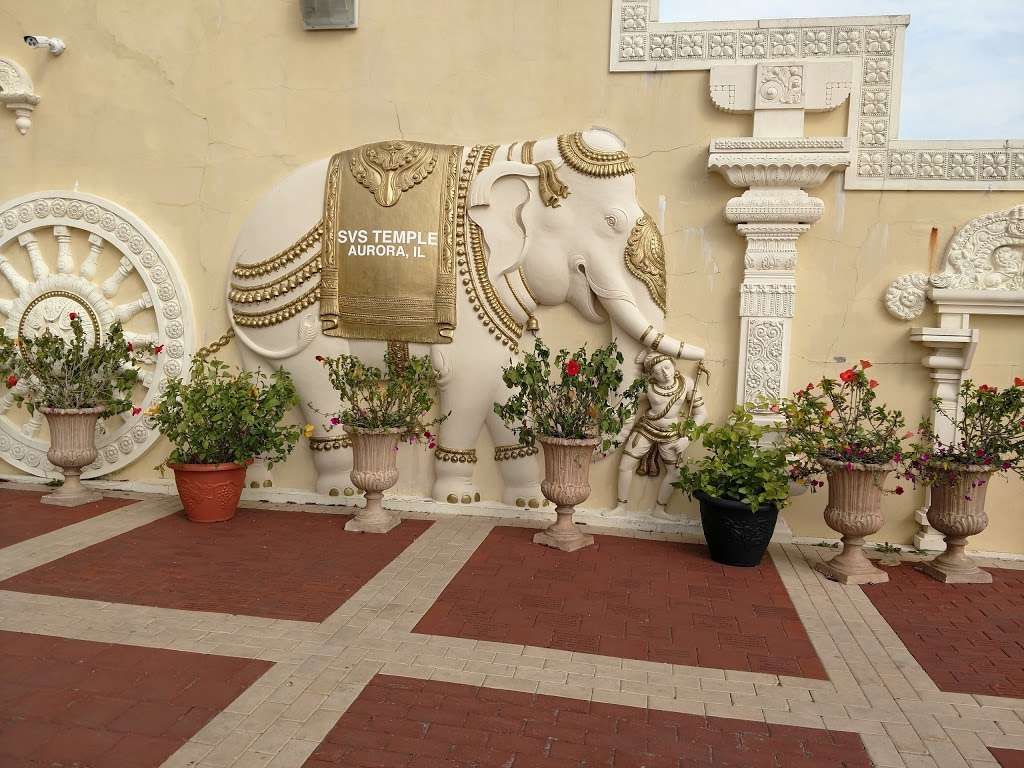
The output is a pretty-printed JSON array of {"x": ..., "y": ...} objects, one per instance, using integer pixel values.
[{"x": 53, "y": 44}]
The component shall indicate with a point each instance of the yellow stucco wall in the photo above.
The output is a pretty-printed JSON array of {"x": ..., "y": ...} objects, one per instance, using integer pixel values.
[{"x": 187, "y": 112}]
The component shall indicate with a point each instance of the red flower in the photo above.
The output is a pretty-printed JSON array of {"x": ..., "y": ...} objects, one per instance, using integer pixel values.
[
  {"x": 319, "y": 358},
  {"x": 847, "y": 376},
  {"x": 809, "y": 387},
  {"x": 1018, "y": 381},
  {"x": 873, "y": 383},
  {"x": 73, "y": 315},
  {"x": 865, "y": 364},
  {"x": 899, "y": 490},
  {"x": 158, "y": 349},
  {"x": 427, "y": 435},
  {"x": 12, "y": 380},
  {"x": 572, "y": 368},
  {"x": 986, "y": 388},
  {"x": 136, "y": 411}
]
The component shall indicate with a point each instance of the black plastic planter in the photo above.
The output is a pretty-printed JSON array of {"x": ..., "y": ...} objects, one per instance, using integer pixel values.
[{"x": 735, "y": 535}]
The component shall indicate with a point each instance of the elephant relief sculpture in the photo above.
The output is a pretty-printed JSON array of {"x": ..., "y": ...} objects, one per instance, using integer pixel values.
[{"x": 446, "y": 251}]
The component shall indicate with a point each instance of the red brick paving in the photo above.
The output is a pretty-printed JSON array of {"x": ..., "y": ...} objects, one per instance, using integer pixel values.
[
  {"x": 631, "y": 598},
  {"x": 969, "y": 638},
  {"x": 1008, "y": 758},
  {"x": 274, "y": 564},
  {"x": 405, "y": 723},
  {"x": 23, "y": 516},
  {"x": 78, "y": 703}
]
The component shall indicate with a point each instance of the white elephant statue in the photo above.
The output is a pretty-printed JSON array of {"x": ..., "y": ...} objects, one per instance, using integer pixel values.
[{"x": 535, "y": 223}]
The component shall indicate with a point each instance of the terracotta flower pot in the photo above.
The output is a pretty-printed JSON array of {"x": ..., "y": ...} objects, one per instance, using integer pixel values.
[
  {"x": 566, "y": 483},
  {"x": 958, "y": 511},
  {"x": 854, "y": 510},
  {"x": 374, "y": 470},
  {"x": 72, "y": 446},
  {"x": 209, "y": 492}
]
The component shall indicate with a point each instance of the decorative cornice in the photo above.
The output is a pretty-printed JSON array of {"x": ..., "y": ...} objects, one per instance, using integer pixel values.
[
  {"x": 982, "y": 271},
  {"x": 872, "y": 45}
]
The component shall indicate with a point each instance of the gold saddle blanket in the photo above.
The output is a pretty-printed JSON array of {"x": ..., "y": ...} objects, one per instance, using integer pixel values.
[{"x": 390, "y": 220}]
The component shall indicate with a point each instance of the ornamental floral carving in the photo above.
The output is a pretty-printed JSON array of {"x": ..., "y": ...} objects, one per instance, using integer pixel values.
[
  {"x": 763, "y": 359},
  {"x": 633, "y": 47},
  {"x": 877, "y": 71},
  {"x": 963, "y": 165},
  {"x": 875, "y": 103},
  {"x": 985, "y": 255},
  {"x": 722, "y": 45},
  {"x": 901, "y": 164},
  {"x": 849, "y": 41},
  {"x": 690, "y": 45},
  {"x": 753, "y": 45},
  {"x": 817, "y": 42},
  {"x": 784, "y": 44},
  {"x": 1018, "y": 165},
  {"x": 17, "y": 94},
  {"x": 871, "y": 163},
  {"x": 879, "y": 40},
  {"x": 634, "y": 17},
  {"x": 779, "y": 86},
  {"x": 663, "y": 47},
  {"x": 931, "y": 165},
  {"x": 873, "y": 133},
  {"x": 995, "y": 165}
]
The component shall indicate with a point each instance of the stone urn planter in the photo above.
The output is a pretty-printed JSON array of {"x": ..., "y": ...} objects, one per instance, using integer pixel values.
[
  {"x": 72, "y": 447},
  {"x": 566, "y": 483},
  {"x": 374, "y": 470},
  {"x": 854, "y": 510},
  {"x": 209, "y": 492},
  {"x": 958, "y": 511}
]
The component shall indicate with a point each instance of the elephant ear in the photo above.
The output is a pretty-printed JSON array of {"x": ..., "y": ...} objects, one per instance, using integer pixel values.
[{"x": 500, "y": 200}]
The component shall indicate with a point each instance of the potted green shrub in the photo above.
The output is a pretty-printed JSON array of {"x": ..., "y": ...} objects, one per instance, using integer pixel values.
[
  {"x": 741, "y": 484},
  {"x": 987, "y": 439},
  {"x": 838, "y": 428},
  {"x": 72, "y": 382},
  {"x": 218, "y": 421},
  {"x": 378, "y": 408},
  {"x": 570, "y": 405}
]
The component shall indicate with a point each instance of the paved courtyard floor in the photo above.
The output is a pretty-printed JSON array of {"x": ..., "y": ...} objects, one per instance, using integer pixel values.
[{"x": 131, "y": 638}]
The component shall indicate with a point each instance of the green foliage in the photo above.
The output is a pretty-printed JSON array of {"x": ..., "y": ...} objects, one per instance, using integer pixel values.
[
  {"x": 737, "y": 466},
  {"x": 396, "y": 398},
  {"x": 840, "y": 420},
  {"x": 582, "y": 400},
  {"x": 989, "y": 429},
  {"x": 56, "y": 373},
  {"x": 218, "y": 417}
]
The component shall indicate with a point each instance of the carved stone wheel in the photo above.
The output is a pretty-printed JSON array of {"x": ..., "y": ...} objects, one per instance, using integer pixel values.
[{"x": 63, "y": 252}]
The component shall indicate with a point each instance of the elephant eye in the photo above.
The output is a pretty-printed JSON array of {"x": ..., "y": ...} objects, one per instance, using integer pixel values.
[{"x": 610, "y": 220}]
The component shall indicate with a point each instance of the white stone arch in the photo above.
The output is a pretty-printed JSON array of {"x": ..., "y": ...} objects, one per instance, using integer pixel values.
[{"x": 72, "y": 283}]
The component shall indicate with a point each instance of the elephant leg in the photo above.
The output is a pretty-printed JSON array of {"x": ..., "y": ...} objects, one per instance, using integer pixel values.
[
  {"x": 455, "y": 457},
  {"x": 520, "y": 474}
]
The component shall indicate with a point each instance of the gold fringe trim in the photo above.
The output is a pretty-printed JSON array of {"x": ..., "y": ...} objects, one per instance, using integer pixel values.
[
  {"x": 510, "y": 452},
  {"x": 582, "y": 157},
  {"x": 241, "y": 294},
  {"x": 454, "y": 456},
  {"x": 552, "y": 190},
  {"x": 288, "y": 255},
  {"x": 278, "y": 315}
]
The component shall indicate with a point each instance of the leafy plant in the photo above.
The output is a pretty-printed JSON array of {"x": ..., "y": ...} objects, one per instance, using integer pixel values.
[
  {"x": 50, "y": 371},
  {"x": 989, "y": 432},
  {"x": 219, "y": 417},
  {"x": 575, "y": 396},
  {"x": 840, "y": 420},
  {"x": 737, "y": 466},
  {"x": 398, "y": 397},
  {"x": 888, "y": 549}
]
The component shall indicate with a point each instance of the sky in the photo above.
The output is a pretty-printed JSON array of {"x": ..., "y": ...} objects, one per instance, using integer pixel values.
[{"x": 963, "y": 74}]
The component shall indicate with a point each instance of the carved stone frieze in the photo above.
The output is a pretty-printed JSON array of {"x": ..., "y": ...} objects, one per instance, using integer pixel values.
[
  {"x": 869, "y": 47},
  {"x": 985, "y": 256}
]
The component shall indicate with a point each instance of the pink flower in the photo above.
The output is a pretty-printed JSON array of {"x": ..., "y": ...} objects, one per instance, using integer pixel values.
[
  {"x": 572, "y": 368},
  {"x": 136, "y": 411},
  {"x": 427, "y": 435},
  {"x": 158, "y": 349},
  {"x": 72, "y": 315},
  {"x": 865, "y": 364},
  {"x": 873, "y": 383},
  {"x": 335, "y": 420}
]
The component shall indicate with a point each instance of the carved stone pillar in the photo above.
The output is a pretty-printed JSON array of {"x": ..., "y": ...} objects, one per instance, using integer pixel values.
[{"x": 774, "y": 165}]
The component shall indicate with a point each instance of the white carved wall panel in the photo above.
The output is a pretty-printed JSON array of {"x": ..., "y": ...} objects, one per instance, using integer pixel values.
[
  {"x": 17, "y": 94},
  {"x": 873, "y": 44},
  {"x": 66, "y": 277}
]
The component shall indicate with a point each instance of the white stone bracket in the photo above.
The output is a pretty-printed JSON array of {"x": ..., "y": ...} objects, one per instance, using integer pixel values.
[{"x": 16, "y": 93}]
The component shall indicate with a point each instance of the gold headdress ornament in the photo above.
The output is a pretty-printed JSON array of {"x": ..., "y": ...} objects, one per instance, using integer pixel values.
[
  {"x": 651, "y": 359},
  {"x": 582, "y": 157}
]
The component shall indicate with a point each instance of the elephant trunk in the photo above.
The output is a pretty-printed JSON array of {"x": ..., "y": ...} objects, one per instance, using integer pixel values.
[{"x": 628, "y": 317}]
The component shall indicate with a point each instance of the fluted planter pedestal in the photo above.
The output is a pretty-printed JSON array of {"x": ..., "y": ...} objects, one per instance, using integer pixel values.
[
  {"x": 854, "y": 510},
  {"x": 958, "y": 511},
  {"x": 72, "y": 447},
  {"x": 566, "y": 483},
  {"x": 374, "y": 470}
]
